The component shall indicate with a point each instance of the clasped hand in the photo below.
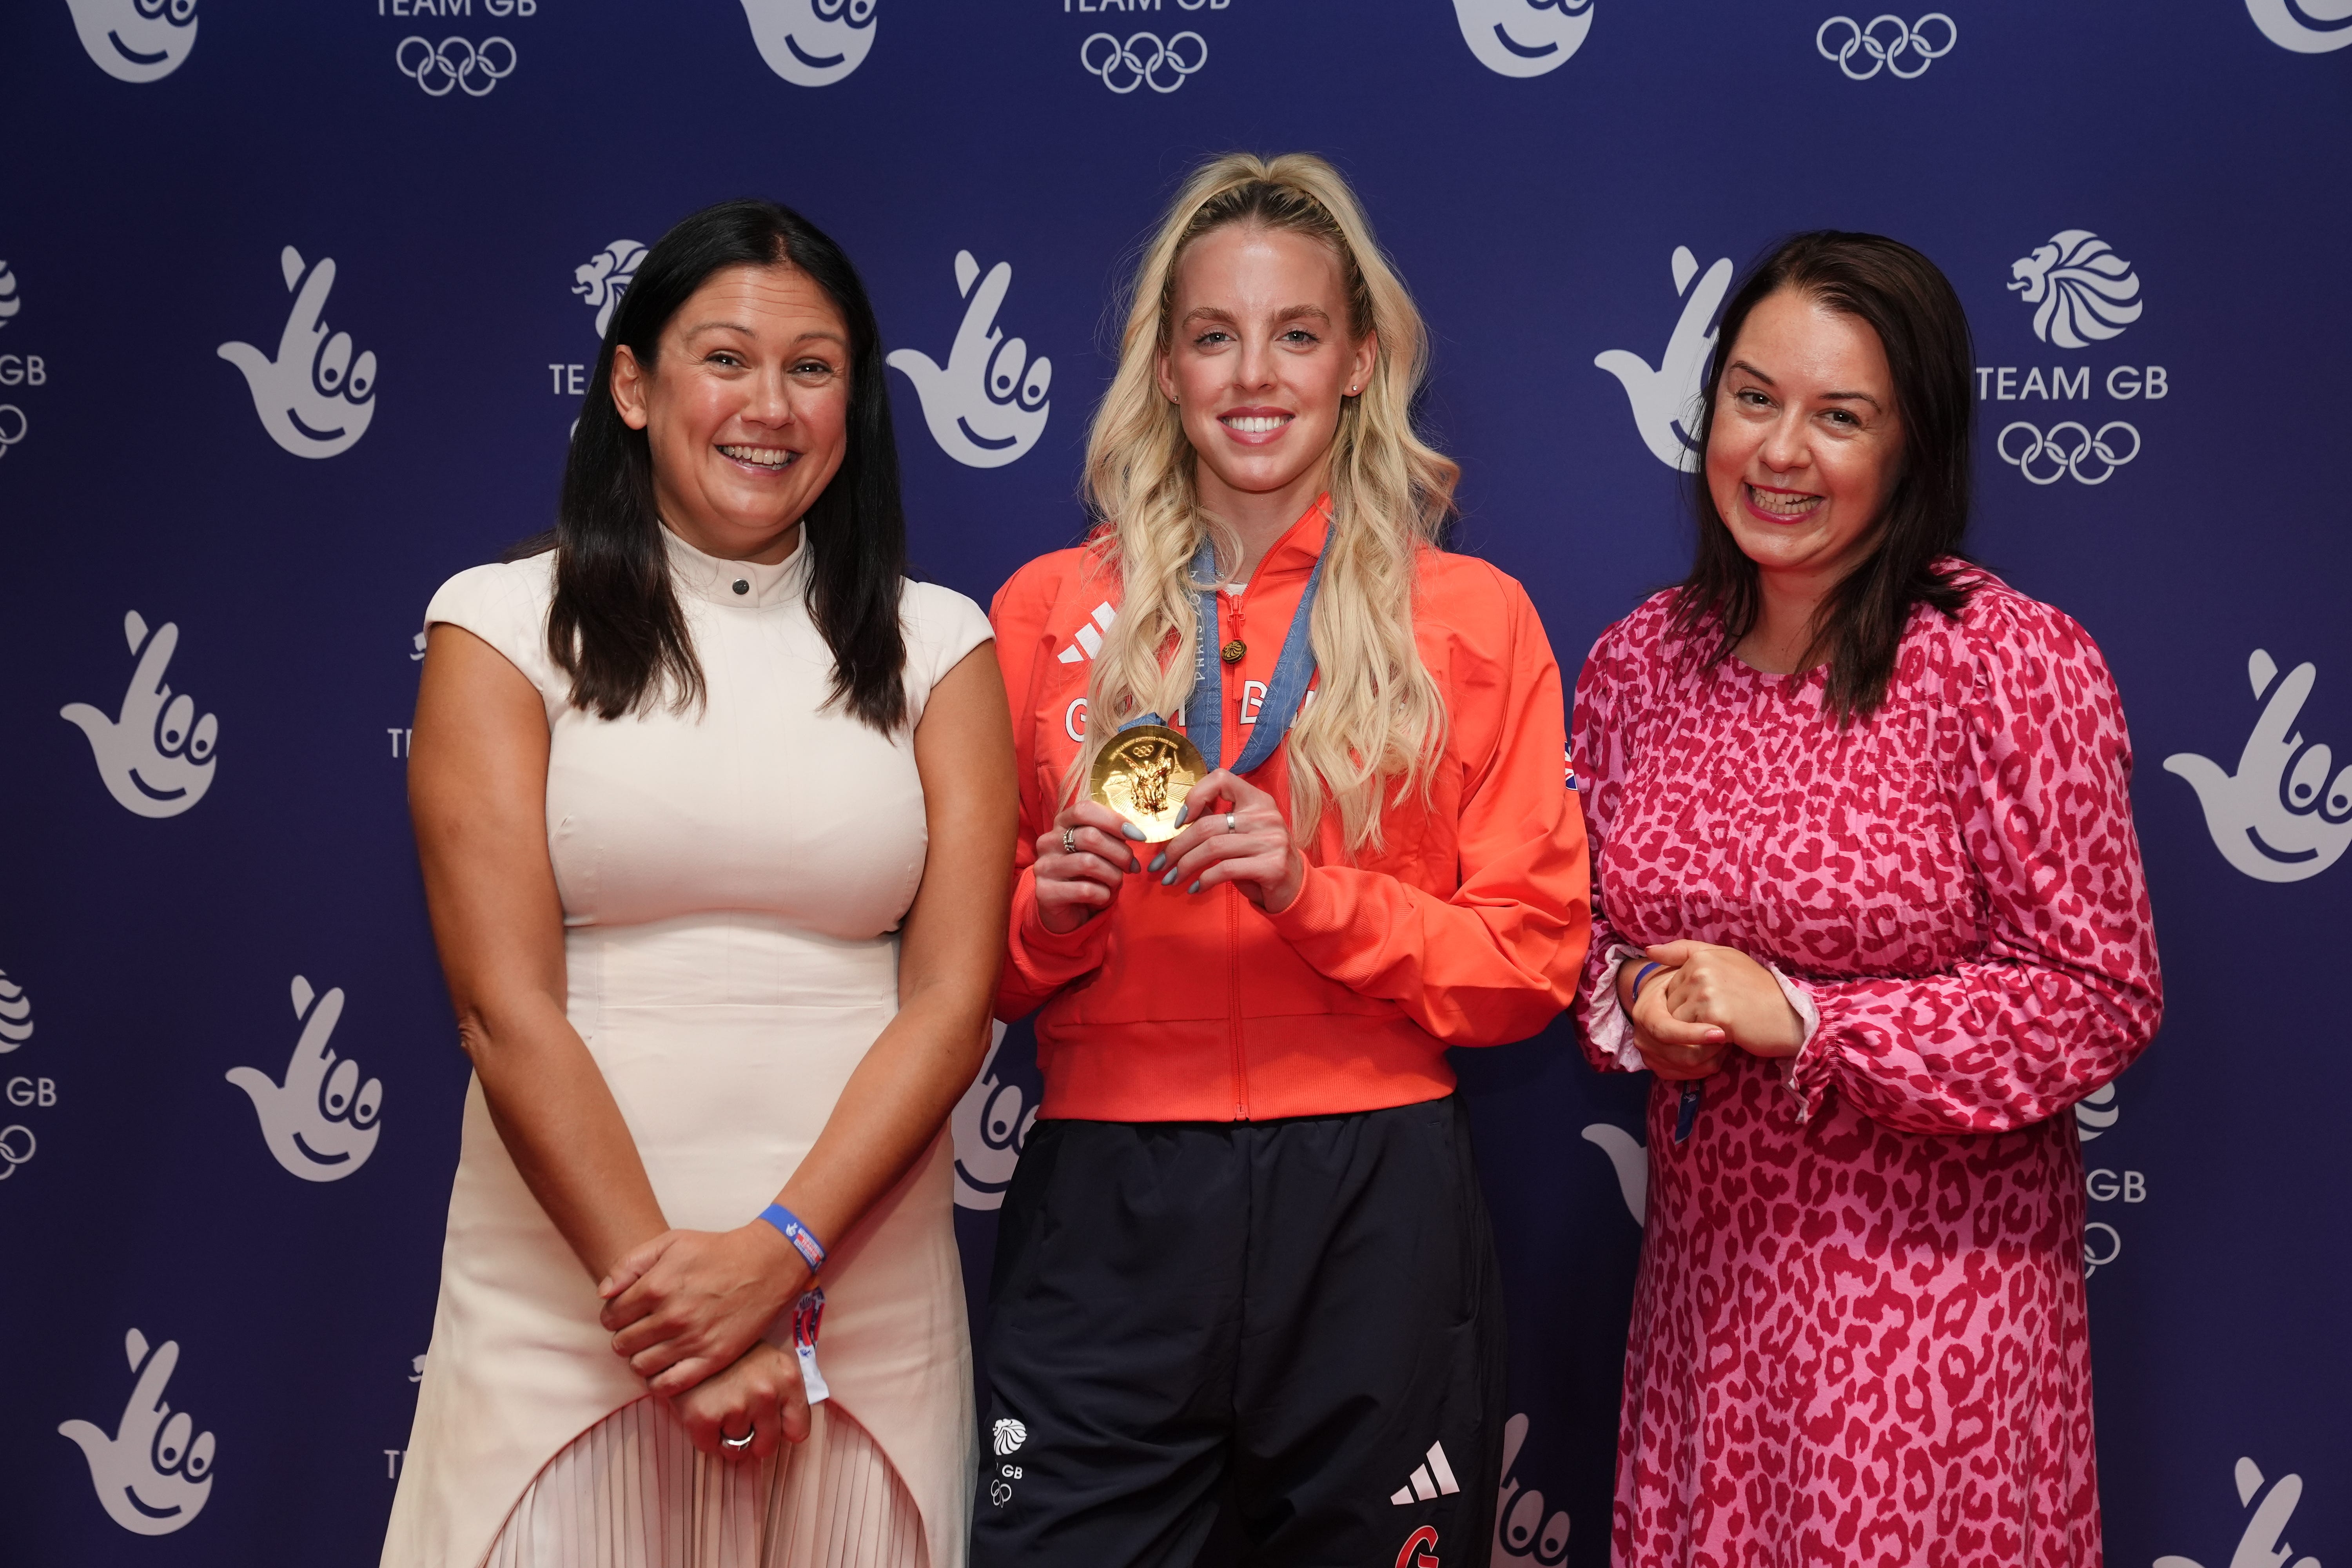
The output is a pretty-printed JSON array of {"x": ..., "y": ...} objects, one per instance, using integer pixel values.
[
  {"x": 688, "y": 1303},
  {"x": 1254, "y": 851},
  {"x": 1705, "y": 1001}
]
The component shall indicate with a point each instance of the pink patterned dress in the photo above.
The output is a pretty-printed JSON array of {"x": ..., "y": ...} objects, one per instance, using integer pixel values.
[{"x": 1859, "y": 1334}]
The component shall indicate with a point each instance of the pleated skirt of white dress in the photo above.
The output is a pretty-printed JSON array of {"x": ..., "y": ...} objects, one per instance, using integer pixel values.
[{"x": 632, "y": 1492}]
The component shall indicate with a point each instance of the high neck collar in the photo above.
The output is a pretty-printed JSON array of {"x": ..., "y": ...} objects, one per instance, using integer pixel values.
[
  {"x": 1300, "y": 544},
  {"x": 708, "y": 578}
]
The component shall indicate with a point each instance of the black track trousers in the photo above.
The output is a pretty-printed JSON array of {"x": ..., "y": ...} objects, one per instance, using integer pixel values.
[{"x": 1304, "y": 1313}]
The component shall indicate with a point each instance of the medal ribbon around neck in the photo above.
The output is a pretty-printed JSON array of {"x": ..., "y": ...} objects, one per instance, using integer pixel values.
[{"x": 1284, "y": 694}]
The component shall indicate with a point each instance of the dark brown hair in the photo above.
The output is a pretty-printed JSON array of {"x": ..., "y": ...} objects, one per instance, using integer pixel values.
[
  {"x": 1905, "y": 298},
  {"x": 615, "y": 625}
]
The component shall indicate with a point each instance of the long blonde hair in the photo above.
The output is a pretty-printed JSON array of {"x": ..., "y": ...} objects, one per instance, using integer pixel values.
[{"x": 1378, "y": 715}]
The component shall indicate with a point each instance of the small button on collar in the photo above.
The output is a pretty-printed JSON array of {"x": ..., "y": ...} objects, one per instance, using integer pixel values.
[{"x": 742, "y": 585}]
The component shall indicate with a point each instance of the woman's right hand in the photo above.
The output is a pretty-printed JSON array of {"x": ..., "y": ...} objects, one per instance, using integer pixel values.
[
  {"x": 1074, "y": 884},
  {"x": 1673, "y": 1049},
  {"x": 762, "y": 1394}
]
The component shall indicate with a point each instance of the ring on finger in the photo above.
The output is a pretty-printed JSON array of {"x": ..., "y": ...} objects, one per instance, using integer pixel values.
[
  {"x": 737, "y": 1445},
  {"x": 1230, "y": 824},
  {"x": 1069, "y": 841}
]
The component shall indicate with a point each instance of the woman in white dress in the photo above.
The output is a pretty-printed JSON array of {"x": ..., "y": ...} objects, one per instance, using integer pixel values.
[{"x": 715, "y": 812}]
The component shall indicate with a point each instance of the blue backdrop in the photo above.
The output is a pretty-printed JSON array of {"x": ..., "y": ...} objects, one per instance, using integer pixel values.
[{"x": 296, "y": 310}]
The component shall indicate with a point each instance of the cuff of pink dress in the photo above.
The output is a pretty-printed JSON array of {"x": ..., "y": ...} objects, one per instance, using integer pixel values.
[
  {"x": 1606, "y": 1023},
  {"x": 1807, "y": 1074}
]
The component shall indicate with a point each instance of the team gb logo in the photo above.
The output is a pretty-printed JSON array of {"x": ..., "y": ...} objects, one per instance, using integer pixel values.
[
  {"x": 136, "y": 40},
  {"x": 157, "y": 755},
  {"x": 153, "y": 1474},
  {"x": 986, "y": 405},
  {"x": 1523, "y": 37},
  {"x": 604, "y": 277},
  {"x": 812, "y": 43},
  {"x": 315, "y": 399},
  {"x": 2081, "y": 290},
  {"x": 320, "y": 1123},
  {"x": 2281, "y": 817}
]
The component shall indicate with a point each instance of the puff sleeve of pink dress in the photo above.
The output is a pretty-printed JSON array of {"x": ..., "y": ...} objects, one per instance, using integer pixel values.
[{"x": 1859, "y": 1332}]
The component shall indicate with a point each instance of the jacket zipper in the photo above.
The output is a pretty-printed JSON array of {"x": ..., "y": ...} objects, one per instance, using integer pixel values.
[
  {"x": 1234, "y": 948},
  {"x": 1232, "y": 898}
]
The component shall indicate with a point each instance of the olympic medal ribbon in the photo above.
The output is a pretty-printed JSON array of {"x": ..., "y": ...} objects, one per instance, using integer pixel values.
[{"x": 1204, "y": 706}]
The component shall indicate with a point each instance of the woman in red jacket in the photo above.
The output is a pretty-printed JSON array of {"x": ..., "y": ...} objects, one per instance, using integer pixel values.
[{"x": 1244, "y": 1249}]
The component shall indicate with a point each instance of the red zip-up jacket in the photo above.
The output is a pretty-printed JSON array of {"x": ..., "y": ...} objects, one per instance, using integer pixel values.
[{"x": 1467, "y": 928}]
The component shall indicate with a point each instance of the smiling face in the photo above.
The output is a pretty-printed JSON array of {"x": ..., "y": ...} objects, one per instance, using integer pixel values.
[
  {"x": 746, "y": 407},
  {"x": 1806, "y": 444},
  {"x": 136, "y": 40},
  {"x": 1523, "y": 37},
  {"x": 1259, "y": 359}
]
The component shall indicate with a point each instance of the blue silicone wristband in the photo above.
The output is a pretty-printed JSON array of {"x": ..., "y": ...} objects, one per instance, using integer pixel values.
[
  {"x": 787, "y": 1225},
  {"x": 1639, "y": 976}
]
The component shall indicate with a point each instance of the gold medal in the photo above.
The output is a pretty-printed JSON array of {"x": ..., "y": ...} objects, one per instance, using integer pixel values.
[{"x": 1144, "y": 775}]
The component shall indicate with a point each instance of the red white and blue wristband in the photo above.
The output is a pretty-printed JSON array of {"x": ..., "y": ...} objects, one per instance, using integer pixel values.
[{"x": 787, "y": 1225}]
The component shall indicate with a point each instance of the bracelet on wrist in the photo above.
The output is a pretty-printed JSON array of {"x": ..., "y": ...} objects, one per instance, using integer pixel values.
[
  {"x": 1641, "y": 975},
  {"x": 805, "y": 1242}
]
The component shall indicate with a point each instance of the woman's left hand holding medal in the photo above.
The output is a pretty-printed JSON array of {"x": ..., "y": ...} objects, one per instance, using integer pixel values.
[
  {"x": 1234, "y": 832},
  {"x": 1081, "y": 862}
]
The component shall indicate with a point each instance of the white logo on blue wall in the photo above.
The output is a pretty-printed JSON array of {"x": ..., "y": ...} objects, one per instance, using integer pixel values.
[
  {"x": 2306, "y": 27},
  {"x": 989, "y": 1124},
  {"x": 320, "y": 1122},
  {"x": 1523, "y": 37},
  {"x": 1666, "y": 398},
  {"x": 1523, "y": 1530},
  {"x": 986, "y": 405},
  {"x": 10, "y": 303},
  {"x": 157, "y": 755},
  {"x": 315, "y": 399},
  {"x": 2096, "y": 1112},
  {"x": 15, "y": 1014},
  {"x": 2071, "y": 449},
  {"x": 604, "y": 277},
  {"x": 1141, "y": 60},
  {"x": 455, "y": 64},
  {"x": 812, "y": 43},
  {"x": 2263, "y": 1543},
  {"x": 2081, "y": 290},
  {"x": 2283, "y": 816},
  {"x": 1900, "y": 48},
  {"x": 136, "y": 40},
  {"x": 154, "y": 1473},
  {"x": 1631, "y": 1163}
]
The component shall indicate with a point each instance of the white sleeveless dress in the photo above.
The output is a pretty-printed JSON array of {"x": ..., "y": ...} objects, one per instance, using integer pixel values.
[{"x": 732, "y": 879}]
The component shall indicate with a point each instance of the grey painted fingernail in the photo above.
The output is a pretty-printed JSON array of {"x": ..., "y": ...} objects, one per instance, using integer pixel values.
[
  {"x": 1132, "y": 865},
  {"x": 1160, "y": 859},
  {"x": 1170, "y": 880},
  {"x": 1130, "y": 830},
  {"x": 1183, "y": 812},
  {"x": 1193, "y": 888}
]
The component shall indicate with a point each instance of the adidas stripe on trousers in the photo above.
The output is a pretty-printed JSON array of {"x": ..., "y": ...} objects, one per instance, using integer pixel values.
[{"x": 1302, "y": 1316}]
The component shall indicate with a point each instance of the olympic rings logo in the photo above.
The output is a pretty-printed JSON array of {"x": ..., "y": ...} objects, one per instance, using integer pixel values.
[
  {"x": 12, "y": 1138},
  {"x": 2092, "y": 1261},
  {"x": 1124, "y": 67},
  {"x": 2046, "y": 459},
  {"x": 12, "y": 426},
  {"x": 1886, "y": 39},
  {"x": 454, "y": 63}
]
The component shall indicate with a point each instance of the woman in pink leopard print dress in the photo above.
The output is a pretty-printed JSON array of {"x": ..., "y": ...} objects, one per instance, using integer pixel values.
[{"x": 1869, "y": 904}]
